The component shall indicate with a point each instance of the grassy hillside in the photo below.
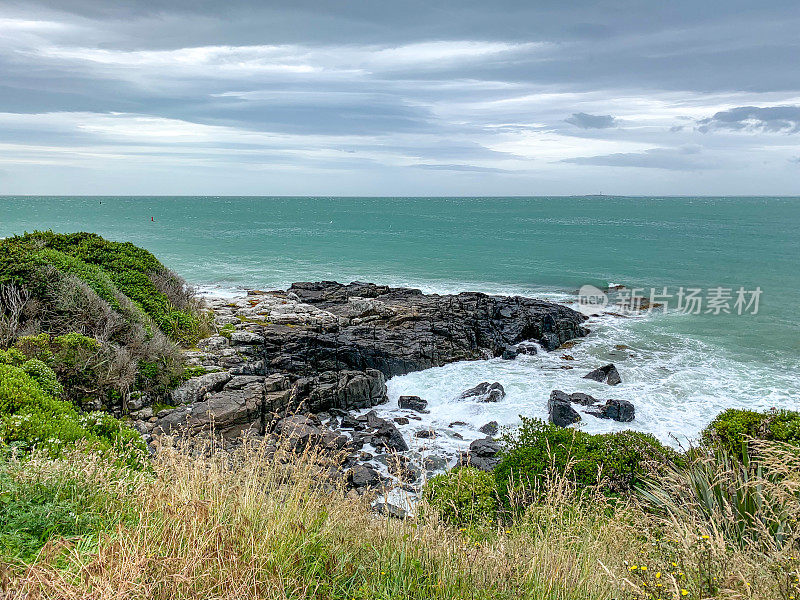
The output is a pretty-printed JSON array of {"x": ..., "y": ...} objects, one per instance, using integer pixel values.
[{"x": 107, "y": 316}]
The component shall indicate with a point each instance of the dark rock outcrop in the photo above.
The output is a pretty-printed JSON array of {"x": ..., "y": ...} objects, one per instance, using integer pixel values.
[
  {"x": 560, "y": 411},
  {"x": 491, "y": 428},
  {"x": 583, "y": 399},
  {"x": 606, "y": 374},
  {"x": 483, "y": 454},
  {"x": 484, "y": 392},
  {"x": 618, "y": 410},
  {"x": 412, "y": 403}
]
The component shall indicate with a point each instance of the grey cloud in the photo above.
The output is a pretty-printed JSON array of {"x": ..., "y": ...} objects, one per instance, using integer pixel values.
[
  {"x": 671, "y": 159},
  {"x": 753, "y": 118},
  {"x": 586, "y": 121}
]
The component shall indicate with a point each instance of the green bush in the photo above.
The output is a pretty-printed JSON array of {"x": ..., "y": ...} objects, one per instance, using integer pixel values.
[
  {"x": 539, "y": 451},
  {"x": 74, "y": 496},
  {"x": 112, "y": 269},
  {"x": 30, "y": 418},
  {"x": 731, "y": 429},
  {"x": 463, "y": 496}
]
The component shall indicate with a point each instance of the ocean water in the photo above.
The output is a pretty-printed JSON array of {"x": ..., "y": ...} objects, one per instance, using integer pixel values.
[{"x": 679, "y": 369}]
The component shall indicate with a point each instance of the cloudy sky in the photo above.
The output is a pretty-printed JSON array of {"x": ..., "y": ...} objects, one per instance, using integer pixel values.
[{"x": 367, "y": 97}]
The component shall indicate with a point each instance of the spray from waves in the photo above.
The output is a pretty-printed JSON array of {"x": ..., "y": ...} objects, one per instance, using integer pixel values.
[{"x": 677, "y": 385}]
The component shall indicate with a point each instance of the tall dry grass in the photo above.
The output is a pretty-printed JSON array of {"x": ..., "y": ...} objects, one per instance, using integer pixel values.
[{"x": 252, "y": 524}]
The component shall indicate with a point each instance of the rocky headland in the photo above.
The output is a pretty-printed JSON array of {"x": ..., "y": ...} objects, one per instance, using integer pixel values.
[{"x": 304, "y": 363}]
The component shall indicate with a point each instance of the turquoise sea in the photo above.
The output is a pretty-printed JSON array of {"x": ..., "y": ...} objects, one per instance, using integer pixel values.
[{"x": 680, "y": 369}]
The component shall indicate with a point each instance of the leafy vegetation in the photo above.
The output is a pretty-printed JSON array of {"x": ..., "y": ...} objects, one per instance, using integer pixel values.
[
  {"x": 464, "y": 496},
  {"x": 31, "y": 419},
  {"x": 105, "y": 316},
  {"x": 732, "y": 430},
  {"x": 618, "y": 461},
  {"x": 75, "y": 496}
]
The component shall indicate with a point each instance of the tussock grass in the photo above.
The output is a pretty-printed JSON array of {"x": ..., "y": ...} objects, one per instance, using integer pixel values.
[{"x": 253, "y": 524}]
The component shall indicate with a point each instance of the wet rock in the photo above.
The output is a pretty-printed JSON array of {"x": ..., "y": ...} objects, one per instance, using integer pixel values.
[
  {"x": 510, "y": 353},
  {"x": 401, "y": 420},
  {"x": 491, "y": 428},
  {"x": 526, "y": 348},
  {"x": 389, "y": 437},
  {"x": 606, "y": 374},
  {"x": 349, "y": 422},
  {"x": 363, "y": 476},
  {"x": 484, "y": 392},
  {"x": 425, "y": 434},
  {"x": 618, "y": 410},
  {"x": 458, "y": 424},
  {"x": 583, "y": 399},
  {"x": 483, "y": 454},
  {"x": 560, "y": 411},
  {"x": 412, "y": 403}
]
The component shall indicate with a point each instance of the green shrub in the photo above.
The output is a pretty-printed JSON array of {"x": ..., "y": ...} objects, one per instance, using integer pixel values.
[
  {"x": 538, "y": 451},
  {"x": 30, "y": 418},
  {"x": 464, "y": 496},
  {"x": 74, "y": 496},
  {"x": 44, "y": 376},
  {"x": 731, "y": 429},
  {"x": 111, "y": 269}
]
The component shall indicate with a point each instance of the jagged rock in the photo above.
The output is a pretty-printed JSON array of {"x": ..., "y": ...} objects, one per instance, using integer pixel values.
[
  {"x": 491, "y": 428},
  {"x": 606, "y": 374},
  {"x": 425, "y": 433},
  {"x": 228, "y": 413},
  {"x": 483, "y": 454},
  {"x": 412, "y": 403},
  {"x": 484, "y": 392},
  {"x": 583, "y": 399},
  {"x": 361, "y": 476},
  {"x": 213, "y": 343},
  {"x": 389, "y": 437},
  {"x": 401, "y": 420},
  {"x": 300, "y": 431},
  {"x": 509, "y": 353},
  {"x": 526, "y": 348},
  {"x": 239, "y": 381},
  {"x": 560, "y": 411},
  {"x": 346, "y": 390},
  {"x": 196, "y": 388},
  {"x": 618, "y": 410},
  {"x": 349, "y": 422}
]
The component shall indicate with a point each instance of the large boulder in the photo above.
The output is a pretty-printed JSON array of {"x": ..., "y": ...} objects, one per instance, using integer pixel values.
[
  {"x": 484, "y": 392},
  {"x": 560, "y": 411},
  {"x": 606, "y": 374},
  {"x": 412, "y": 403},
  {"x": 618, "y": 410},
  {"x": 363, "y": 476},
  {"x": 229, "y": 413},
  {"x": 389, "y": 437},
  {"x": 483, "y": 454}
]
